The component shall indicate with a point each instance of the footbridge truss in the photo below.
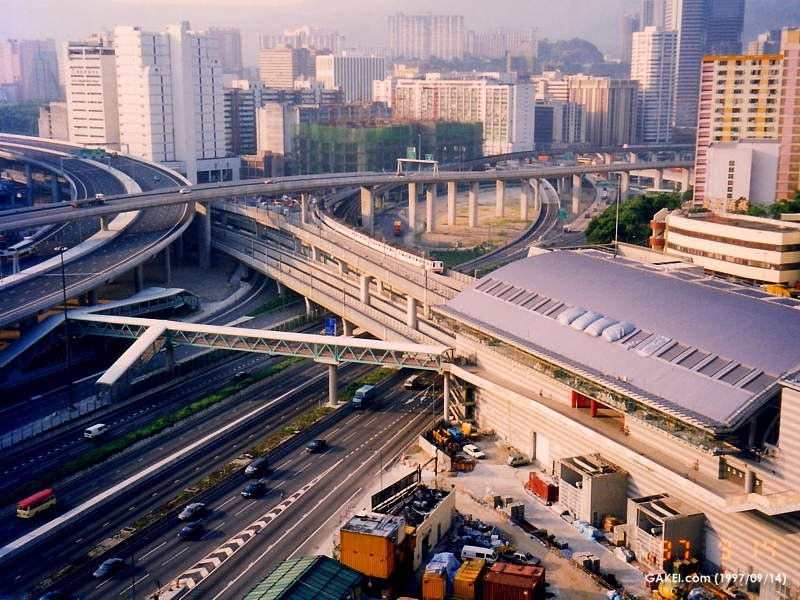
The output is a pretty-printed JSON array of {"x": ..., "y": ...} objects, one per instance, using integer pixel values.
[{"x": 154, "y": 335}]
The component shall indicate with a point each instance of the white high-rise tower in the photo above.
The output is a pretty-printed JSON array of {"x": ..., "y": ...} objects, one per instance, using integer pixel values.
[{"x": 653, "y": 55}]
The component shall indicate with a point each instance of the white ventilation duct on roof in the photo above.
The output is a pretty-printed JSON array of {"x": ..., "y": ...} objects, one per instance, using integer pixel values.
[
  {"x": 585, "y": 320},
  {"x": 569, "y": 315},
  {"x": 618, "y": 331},
  {"x": 596, "y": 328}
]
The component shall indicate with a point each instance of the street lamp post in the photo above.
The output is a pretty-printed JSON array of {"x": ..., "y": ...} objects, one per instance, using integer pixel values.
[{"x": 61, "y": 250}]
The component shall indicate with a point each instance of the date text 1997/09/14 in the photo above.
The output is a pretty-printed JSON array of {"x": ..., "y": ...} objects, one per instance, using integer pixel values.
[{"x": 720, "y": 579}]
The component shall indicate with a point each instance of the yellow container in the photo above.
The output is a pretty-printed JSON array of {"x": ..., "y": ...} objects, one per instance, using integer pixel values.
[
  {"x": 433, "y": 585},
  {"x": 467, "y": 582}
]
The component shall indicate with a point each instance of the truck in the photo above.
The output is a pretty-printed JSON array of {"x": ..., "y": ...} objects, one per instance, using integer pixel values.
[
  {"x": 398, "y": 228},
  {"x": 364, "y": 396}
]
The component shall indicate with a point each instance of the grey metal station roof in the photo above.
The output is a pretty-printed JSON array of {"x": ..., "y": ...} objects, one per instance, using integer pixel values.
[{"x": 706, "y": 347}]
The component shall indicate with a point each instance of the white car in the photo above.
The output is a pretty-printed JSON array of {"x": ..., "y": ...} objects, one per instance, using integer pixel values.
[
  {"x": 473, "y": 451},
  {"x": 192, "y": 512}
]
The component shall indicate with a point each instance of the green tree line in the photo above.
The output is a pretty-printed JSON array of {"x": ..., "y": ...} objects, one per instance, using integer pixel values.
[{"x": 21, "y": 118}]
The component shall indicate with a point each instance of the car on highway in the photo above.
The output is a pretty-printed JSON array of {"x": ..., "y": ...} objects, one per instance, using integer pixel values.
[
  {"x": 109, "y": 568},
  {"x": 316, "y": 446},
  {"x": 473, "y": 451},
  {"x": 191, "y": 530},
  {"x": 268, "y": 181},
  {"x": 241, "y": 376},
  {"x": 255, "y": 488},
  {"x": 192, "y": 512},
  {"x": 184, "y": 191}
]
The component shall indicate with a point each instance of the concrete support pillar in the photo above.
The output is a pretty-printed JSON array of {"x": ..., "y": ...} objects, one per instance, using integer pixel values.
[
  {"x": 29, "y": 183},
  {"x": 446, "y": 397},
  {"x": 524, "y": 196},
  {"x": 54, "y": 187},
  {"x": 430, "y": 206},
  {"x": 624, "y": 186},
  {"x": 138, "y": 278},
  {"x": 281, "y": 288},
  {"x": 92, "y": 297},
  {"x": 304, "y": 207},
  {"x": 500, "y": 198},
  {"x": 608, "y": 158},
  {"x": 749, "y": 482},
  {"x": 167, "y": 266},
  {"x": 368, "y": 209},
  {"x": 658, "y": 180},
  {"x": 632, "y": 157},
  {"x": 685, "y": 179},
  {"x": 169, "y": 359},
  {"x": 179, "y": 250},
  {"x": 411, "y": 312},
  {"x": 537, "y": 195},
  {"x": 333, "y": 385},
  {"x": 412, "y": 207},
  {"x": 104, "y": 221},
  {"x": 593, "y": 408},
  {"x": 203, "y": 210},
  {"x": 347, "y": 328},
  {"x": 309, "y": 306},
  {"x": 474, "y": 190},
  {"x": 561, "y": 185},
  {"x": 452, "y": 192},
  {"x": 363, "y": 292},
  {"x": 576, "y": 194}
]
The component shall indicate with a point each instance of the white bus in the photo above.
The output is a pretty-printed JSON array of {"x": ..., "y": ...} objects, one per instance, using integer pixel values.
[{"x": 25, "y": 248}]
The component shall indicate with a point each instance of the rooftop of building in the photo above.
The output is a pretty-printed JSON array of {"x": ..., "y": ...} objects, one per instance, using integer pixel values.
[
  {"x": 370, "y": 523},
  {"x": 592, "y": 465},
  {"x": 743, "y": 221},
  {"x": 704, "y": 350},
  {"x": 308, "y": 578}
]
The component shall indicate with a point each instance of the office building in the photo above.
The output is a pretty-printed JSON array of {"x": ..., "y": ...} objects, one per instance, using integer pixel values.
[
  {"x": 788, "y": 181},
  {"x": 739, "y": 101},
  {"x": 724, "y": 29},
  {"x": 181, "y": 122},
  {"x": 501, "y": 43},
  {"x": 768, "y": 42},
  {"x": 610, "y": 109},
  {"x": 630, "y": 25},
  {"x": 351, "y": 74},
  {"x": 29, "y": 70},
  {"x": 229, "y": 46},
  {"x": 242, "y": 99},
  {"x": 312, "y": 38},
  {"x": 559, "y": 124},
  {"x": 281, "y": 66},
  {"x": 91, "y": 86},
  {"x": 420, "y": 37},
  {"x": 653, "y": 67},
  {"x": 53, "y": 123},
  {"x": 503, "y": 106}
]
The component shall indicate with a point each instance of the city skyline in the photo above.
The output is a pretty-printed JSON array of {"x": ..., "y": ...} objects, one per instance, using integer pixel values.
[{"x": 362, "y": 23}]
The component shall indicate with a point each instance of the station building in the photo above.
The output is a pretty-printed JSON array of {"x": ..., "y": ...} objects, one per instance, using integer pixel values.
[{"x": 687, "y": 383}]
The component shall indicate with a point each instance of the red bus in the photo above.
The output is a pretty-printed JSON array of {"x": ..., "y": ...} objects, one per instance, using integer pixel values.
[{"x": 37, "y": 503}]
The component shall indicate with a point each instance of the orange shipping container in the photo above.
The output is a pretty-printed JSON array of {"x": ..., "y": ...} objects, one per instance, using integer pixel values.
[
  {"x": 513, "y": 582},
  {"x": 371, "y": 554},
  {"x": 433, "y": 585},
  {"x": 467, "y": 582}
]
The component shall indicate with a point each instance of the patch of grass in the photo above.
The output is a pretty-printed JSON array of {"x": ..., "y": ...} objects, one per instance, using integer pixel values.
[
  {"x": 452, "y": 258},
  {"x": 372, "y": 378},
  {"x": 290, "y": 298}
]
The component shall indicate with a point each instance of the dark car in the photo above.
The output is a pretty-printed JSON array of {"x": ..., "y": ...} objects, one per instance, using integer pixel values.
[
  {"x": 241, "y": 376},
  {"x": 192, "y": 512},
  {"x": 53, "y": 596},
  {"x": 254, "y": 488},
  {"x": 191, "y": 530},
  {"x": 109, "y": 568},
  {"x": 316, "y": 446}
]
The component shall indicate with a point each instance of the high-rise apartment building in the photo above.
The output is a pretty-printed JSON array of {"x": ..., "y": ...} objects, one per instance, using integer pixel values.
[
  {"x": 229, "y": 46},
  {"x": 653, "y": 67},
  {"x": 501, "y": 43},
  {"x": 788, "y": 181},
  {"x": 504, "y": 107},
  {"x": 53, "y": 122},
  {"x": 171, "y": 101},
  {"x": 725, "y": 25},
  {"x": 610, "y": 106},
  {"x": 242, "y": 99},
  {"x": 630, "y": 25},
  {"x": 90, "y": 71},
  {"x": 739, "y": 101},
  {"x": 351, "y": 74},
  {"x": 420, "y": 37},
  {"x": 279, "y": 67},
  {"x": 312, "y": 38}
]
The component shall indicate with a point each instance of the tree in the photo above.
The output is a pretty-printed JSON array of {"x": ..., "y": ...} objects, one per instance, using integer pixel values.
[
  {"x": 21, "y": 118},
  {"x": 785, "y": 206},
  {"x": 634, "y": 219}
]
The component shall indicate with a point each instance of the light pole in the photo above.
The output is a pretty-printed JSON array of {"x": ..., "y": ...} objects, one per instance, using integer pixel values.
[{"x": 61, "y": 250}]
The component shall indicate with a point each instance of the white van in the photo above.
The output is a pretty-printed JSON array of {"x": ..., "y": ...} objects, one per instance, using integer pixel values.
[
  {"x": 95, "y": 430},
  {"x": 411, "y": 382},
  {"x": 489, "y": 555}
]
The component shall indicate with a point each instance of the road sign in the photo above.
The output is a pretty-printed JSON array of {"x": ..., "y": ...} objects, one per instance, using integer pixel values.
[
  {"x": 605, "y": 184},
  {"x": 562, "y": 214},
  {"x": 411, "y": 152},
  {"x": 330, "y": 326},
  {"x": 429, "y": 157}
]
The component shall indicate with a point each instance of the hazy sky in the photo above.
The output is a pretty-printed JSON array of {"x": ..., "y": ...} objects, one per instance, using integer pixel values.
[{"x": 362, "y": 22}]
